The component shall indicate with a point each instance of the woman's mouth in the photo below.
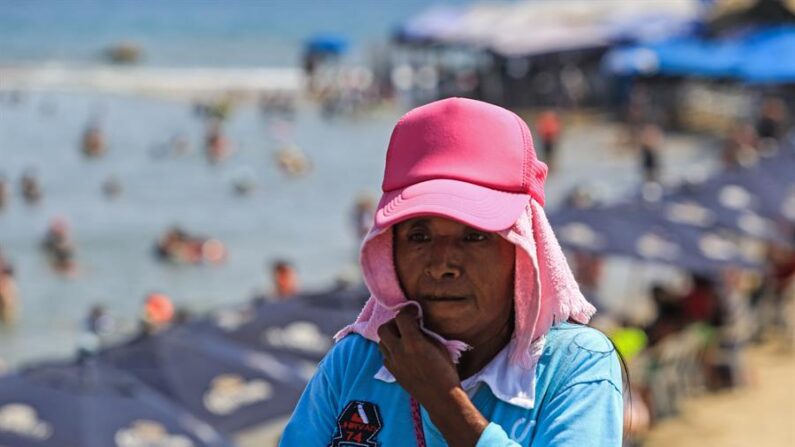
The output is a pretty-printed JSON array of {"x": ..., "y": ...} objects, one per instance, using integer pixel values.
[{"x": 442, "y": 298}]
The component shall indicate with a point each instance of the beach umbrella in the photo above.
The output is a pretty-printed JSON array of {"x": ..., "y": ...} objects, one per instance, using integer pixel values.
[
  {"x": 302, "y": 327},
  {"x": 684, "y": 208},
  {"x": 755, "y": 201},
  {"x": 766, "y": 189},
  {"x": 636, "y": 231},
  {"x": 86, "y": 404},
  {"x": 781, "y": 169},
  {"x": 224, "y": 384},
  {"x": 327, "y": 44}
]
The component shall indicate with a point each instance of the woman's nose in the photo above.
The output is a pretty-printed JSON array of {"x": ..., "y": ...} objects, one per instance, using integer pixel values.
[{"x": 444, "y": 261}]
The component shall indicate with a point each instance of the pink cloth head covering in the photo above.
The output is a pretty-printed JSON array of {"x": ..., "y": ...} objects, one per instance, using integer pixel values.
[
  {"x": 545, "y": 292},
  {"x": 442, "y": 161}
]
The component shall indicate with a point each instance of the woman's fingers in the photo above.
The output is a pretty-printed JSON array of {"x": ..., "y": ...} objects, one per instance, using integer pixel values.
[
  {"x": 384, "y": 351},
  {"x": 407, "y": 323},
  {"x": 389, "y": 333}
]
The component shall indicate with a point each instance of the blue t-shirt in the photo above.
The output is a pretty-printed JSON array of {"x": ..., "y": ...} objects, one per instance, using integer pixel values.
[{"x": 578, "y": 400}]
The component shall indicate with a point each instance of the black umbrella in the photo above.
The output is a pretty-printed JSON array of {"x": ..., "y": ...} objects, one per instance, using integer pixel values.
[
  {"x": 91, "y": 405},
  {"x": 757, "y": 201},
  {"x": 636, "y": 231},
  {"x": 303, "y": 326},
  {"x": 224, "y": 384}
]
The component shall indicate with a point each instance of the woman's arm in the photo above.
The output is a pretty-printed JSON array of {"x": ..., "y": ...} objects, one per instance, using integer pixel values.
[{"x": 423, "y": 368}]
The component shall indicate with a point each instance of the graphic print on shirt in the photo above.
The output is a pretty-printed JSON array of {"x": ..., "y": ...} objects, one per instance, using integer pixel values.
[
  {"x": 521, "y": 429},
  {"x": 357, "y": 425}
]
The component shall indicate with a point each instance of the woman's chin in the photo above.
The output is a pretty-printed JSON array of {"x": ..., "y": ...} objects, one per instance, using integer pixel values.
[{"x": 449, "y": 329}]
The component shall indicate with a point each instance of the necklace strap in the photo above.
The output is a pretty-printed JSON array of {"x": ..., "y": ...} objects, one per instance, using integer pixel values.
[{"x": 416, "y": 417}]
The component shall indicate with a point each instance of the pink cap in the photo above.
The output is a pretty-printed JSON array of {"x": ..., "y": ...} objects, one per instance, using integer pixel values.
[{"x": 463, "y": 159}]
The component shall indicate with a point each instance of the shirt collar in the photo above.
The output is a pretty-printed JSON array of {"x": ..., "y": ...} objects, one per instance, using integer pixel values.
[{"x": 508, "y": 381}]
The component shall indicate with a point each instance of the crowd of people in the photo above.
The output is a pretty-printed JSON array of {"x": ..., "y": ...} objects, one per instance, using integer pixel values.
[
  {"x": 175, "y": 245},
  {"x": 693, "y": 343},
  {"x": 695, "y": 339}
]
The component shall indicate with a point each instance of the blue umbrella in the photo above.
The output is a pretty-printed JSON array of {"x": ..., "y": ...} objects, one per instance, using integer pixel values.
[
  {"x": 228, "y": 386},
  {"x": 327, "y": 44},
  {"x": 635, "y": 231},
  {"x": 302, "y": 327},
  {"x": 90, "y": 405}
]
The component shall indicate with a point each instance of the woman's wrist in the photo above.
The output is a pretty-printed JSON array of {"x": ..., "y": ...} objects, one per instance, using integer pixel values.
[{"x": 456, "y": 417}]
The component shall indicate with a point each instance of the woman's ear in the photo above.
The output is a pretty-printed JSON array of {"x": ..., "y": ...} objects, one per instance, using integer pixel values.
[{"x": 394, "y": 235}]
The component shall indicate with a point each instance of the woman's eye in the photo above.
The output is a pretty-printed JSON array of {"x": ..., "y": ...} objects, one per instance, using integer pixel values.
[
  {"x": 475, "y": 237},
  {"x": 418, "y": 237}
]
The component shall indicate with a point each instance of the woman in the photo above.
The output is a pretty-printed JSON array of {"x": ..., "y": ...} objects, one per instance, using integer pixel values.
[{"x": 465, "y": 340}]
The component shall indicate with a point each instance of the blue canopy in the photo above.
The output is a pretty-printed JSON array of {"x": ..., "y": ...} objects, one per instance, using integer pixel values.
[
  {"x": 224, "y": 384},
  {"x": 763, "y": 56},
  {"x": 90, "y": 405},
  {"x": 771, "y": 57}
]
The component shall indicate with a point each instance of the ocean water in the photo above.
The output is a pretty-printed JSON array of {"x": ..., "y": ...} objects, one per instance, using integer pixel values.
[
  {"x": 305, "y": 220},
  {"x": 191, "y": 33}
]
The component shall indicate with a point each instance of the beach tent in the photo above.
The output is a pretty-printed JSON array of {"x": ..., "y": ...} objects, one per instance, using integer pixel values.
[
  {"x": 230, "y": 387},
  {"x": 547, "y": 26},
  {"x": 86, "y": 404},
  {"x": 429, "y": 26}
]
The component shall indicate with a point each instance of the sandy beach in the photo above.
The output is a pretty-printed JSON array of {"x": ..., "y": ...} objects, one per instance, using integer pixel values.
[{"x": 760, "y": 415}]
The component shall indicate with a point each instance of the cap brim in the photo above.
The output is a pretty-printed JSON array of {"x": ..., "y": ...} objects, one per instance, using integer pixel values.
[{"x": 477, "y": 206}]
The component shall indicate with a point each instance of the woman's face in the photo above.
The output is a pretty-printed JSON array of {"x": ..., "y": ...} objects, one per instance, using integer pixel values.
[{"x": 462, "y": 277}]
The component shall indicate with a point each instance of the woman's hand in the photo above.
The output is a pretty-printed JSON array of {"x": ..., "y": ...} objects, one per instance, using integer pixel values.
[
  {"x": 424, "y": 369},
  {"x": 421, "y": 365}
]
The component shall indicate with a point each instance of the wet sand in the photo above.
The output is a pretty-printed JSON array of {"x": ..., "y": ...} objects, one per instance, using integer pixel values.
[{"x": 760, "y": 415}]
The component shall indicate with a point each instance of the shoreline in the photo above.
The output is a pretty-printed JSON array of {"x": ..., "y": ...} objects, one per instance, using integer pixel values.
[{"x": 187, "y": 83}]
